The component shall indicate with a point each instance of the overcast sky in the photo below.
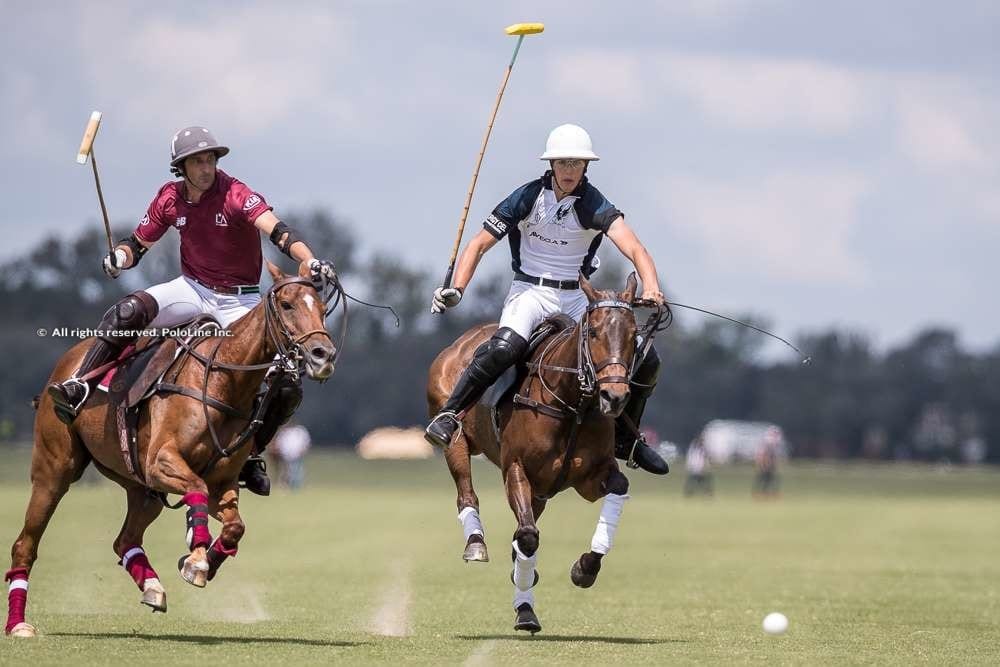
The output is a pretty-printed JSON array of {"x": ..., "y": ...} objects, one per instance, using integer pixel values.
[{"x": 816, "y": 163}]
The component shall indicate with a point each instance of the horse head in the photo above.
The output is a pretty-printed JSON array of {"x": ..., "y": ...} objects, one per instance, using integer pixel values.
[
  {"x": 608, "y": 343},
  {"x": 296, "y": 322}
]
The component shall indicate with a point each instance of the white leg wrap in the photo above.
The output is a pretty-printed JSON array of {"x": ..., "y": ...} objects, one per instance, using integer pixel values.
[
  {"x": 18, "y": 584},
  {"x": 520, "y": 597},
  {"x": 524, "y": 570},
  {"x": 471, "y": 525},
  {"x": 611, "y": 512}
]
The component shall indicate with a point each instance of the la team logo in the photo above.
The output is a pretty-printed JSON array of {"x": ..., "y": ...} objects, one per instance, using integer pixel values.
[
  {"x": 251, "y": 201},
  {"x": 220, "y": 220}
]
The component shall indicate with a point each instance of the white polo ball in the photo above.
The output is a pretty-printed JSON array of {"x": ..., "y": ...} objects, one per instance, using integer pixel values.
[{"x": 775, "y": 623}]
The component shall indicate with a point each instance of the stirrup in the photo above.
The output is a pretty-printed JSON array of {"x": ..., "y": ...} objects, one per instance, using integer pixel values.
[
  {"x": 454, "y": 417},
  {"x": 66, "y": 405}
]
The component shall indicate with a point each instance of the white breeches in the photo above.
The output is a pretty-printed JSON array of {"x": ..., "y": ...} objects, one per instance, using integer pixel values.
[
  {"x": 528, "y": 305},
  {"x": 182, "y": 298}
]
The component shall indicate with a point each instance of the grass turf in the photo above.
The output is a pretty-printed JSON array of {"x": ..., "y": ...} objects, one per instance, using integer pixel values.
[{"x": 883, "y": 564}]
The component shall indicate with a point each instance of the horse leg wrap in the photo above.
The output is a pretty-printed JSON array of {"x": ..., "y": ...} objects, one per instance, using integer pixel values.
[
  {"x": 197, "y": 520},
  {"x": 524, "y": 569},
  {"x": 471, "y": 524},
  {"x": 137, "y": 565},
  {"x": 17, "y": 596},
  {"x": 217, "y": 554},
  {"x": 607, "y": 524}
]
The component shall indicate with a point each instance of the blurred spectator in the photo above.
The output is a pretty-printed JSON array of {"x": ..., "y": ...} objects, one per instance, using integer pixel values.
[
  {"x": 765, "y": 483},
  {"x": 699, "y": 477},
  {"x": 290, "y": 446}
]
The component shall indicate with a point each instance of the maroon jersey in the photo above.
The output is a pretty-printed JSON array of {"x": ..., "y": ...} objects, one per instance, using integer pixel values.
[{"x": 219, "y": 244}]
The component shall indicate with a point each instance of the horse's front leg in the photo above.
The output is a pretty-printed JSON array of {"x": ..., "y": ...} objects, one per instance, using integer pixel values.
[
  {"x": 525, "y": 548},
  {"x": 614, "y": 488},
  {"x": 226, "y": 510},
  {"x": 171, "y": 473},
  {"x": 459, "y": 464},
  {"x": 142, "y": 511}
]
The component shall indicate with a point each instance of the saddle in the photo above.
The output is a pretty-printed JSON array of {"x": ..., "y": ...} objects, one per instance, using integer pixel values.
[
  {"x": 511, "y": 379},
  {"x": 136, "y": 380}
]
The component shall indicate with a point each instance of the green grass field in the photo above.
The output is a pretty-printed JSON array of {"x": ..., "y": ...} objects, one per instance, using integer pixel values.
[{"x": 872, "y": 565}]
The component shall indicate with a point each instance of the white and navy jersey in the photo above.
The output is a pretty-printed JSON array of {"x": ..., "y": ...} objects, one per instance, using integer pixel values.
[{"x": 549, "y": 238}]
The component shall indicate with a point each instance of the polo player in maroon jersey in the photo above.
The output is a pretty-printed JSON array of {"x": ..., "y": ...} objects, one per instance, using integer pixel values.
[{"x": 219, "y": 220}]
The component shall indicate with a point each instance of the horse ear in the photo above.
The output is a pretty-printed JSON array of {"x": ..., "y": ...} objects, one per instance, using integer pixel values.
[
  {"x": 631, "y": 285},
  {"x": 275, "y": 272},
  {"x": 588, "y": 289}
]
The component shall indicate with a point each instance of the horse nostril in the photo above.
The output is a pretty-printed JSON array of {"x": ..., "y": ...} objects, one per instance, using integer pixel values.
[{"x": 319, "y": 353}]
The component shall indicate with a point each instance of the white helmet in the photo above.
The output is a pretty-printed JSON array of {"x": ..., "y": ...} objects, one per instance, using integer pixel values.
[{"x": 569, "y": 141}]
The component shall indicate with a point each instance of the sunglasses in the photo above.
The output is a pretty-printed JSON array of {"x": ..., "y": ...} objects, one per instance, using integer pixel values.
[{"x": 571, "y": 163}]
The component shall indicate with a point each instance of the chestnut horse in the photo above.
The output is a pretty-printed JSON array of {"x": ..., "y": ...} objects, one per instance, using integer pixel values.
[
  {"x": 180, "y": 440},
  {"x": 557, "y": 432}
]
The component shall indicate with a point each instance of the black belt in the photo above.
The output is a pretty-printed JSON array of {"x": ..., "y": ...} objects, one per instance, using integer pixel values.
[
  {"x": 546, "y": 282},
  {"x": 233, "y": 289}
]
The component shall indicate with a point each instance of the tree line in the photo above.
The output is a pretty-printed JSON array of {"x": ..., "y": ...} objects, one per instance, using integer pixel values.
[{"x": 928, "y": 398}]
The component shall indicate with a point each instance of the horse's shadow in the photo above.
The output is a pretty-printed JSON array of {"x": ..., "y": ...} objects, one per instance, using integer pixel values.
[
  {"x": 573, "y": 638},
  {"x": 205, "y": 640}
]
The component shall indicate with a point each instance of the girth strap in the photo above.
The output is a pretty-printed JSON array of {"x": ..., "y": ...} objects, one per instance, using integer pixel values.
[{"x": 204, "y": 398}]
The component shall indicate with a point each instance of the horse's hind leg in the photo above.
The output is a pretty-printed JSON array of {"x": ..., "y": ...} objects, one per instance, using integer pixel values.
[
  {"x": 57, "y": 461},
  {"x": 143, "y": 509},
  {"x": 171, "y": 473},
  {"x": 227, "y": 510},
  {"x": 615, "y": 489},
  {"x": 460, "y": 466},
  {"x": 525, "y": 546}
]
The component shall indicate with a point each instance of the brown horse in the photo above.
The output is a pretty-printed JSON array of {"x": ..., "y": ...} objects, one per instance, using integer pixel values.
[
  {"x": 180, "y": 440},
  {"x": 557, "y": 432}
]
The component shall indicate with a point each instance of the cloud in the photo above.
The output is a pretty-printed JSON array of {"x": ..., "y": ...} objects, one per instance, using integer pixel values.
[
  {"x": 945, "y": 123},
  {"x": 253, "y": 66},
  {"x": 600, "y": 77},
  {"x": 786, "y": 225}
]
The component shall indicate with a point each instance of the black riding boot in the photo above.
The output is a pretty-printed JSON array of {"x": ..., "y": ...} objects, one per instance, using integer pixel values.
[
  {"x": 489, "y": 362},
  {"x": 68, "y": 397},
  {"x": 132, "y": 313},
  {"x": 629, "y": 445},
  {"x": 286, "y": 401}
]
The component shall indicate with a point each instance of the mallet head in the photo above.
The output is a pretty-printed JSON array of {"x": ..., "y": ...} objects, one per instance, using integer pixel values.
[
  {"x": 524, "y": 28},
  {"x": 88, "y": 137}
]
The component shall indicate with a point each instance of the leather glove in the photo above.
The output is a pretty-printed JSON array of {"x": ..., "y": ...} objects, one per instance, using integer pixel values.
[
  {"x": 114, "y": 262},
  {"x": 321, "y": 273},
  {"x": 444, "y": 298}
]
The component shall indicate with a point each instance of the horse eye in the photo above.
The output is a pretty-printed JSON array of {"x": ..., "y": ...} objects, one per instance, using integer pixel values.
[
  {"x": 285, "y": 305},
  {"x": 593, "y": 333}
]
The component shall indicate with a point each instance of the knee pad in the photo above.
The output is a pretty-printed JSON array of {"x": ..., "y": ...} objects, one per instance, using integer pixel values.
[
  {"x": 134, "y": 312},
  {"x": 498, "y": 354}
]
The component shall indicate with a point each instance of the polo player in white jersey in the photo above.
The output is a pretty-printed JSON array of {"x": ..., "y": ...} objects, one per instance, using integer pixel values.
[{"x": 554, "y": 225}]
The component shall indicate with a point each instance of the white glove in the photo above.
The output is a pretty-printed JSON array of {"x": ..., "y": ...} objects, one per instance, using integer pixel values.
[
  {"x": 445, "y": 297},
  {"x": 114, "y": 262},
  {"x": 321, "y": 273}
]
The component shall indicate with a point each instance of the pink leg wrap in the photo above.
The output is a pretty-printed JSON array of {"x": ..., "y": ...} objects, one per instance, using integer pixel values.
[
  {"x": 197, "y": 520},
  {"x": 137, "y": 565},
  {"x": 17, "y": 597},
  {"x": 217, "y": 554}
]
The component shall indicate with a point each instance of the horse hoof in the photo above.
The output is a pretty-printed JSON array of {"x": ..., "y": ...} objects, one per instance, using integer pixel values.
[
  {"x": 193, "y": 572},
  {"x": 23, "y": 630},
  {"x": 581, "y": 577},
  {"x": 526, "y": 620},
  {"x": 154, "y": 596},
  {"x": 475, "y": 552}
]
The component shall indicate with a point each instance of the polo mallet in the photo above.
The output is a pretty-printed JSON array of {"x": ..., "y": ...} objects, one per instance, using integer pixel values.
[
  {"x": 87, "y": 148},
  {"x": 519, "y": 29}
]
